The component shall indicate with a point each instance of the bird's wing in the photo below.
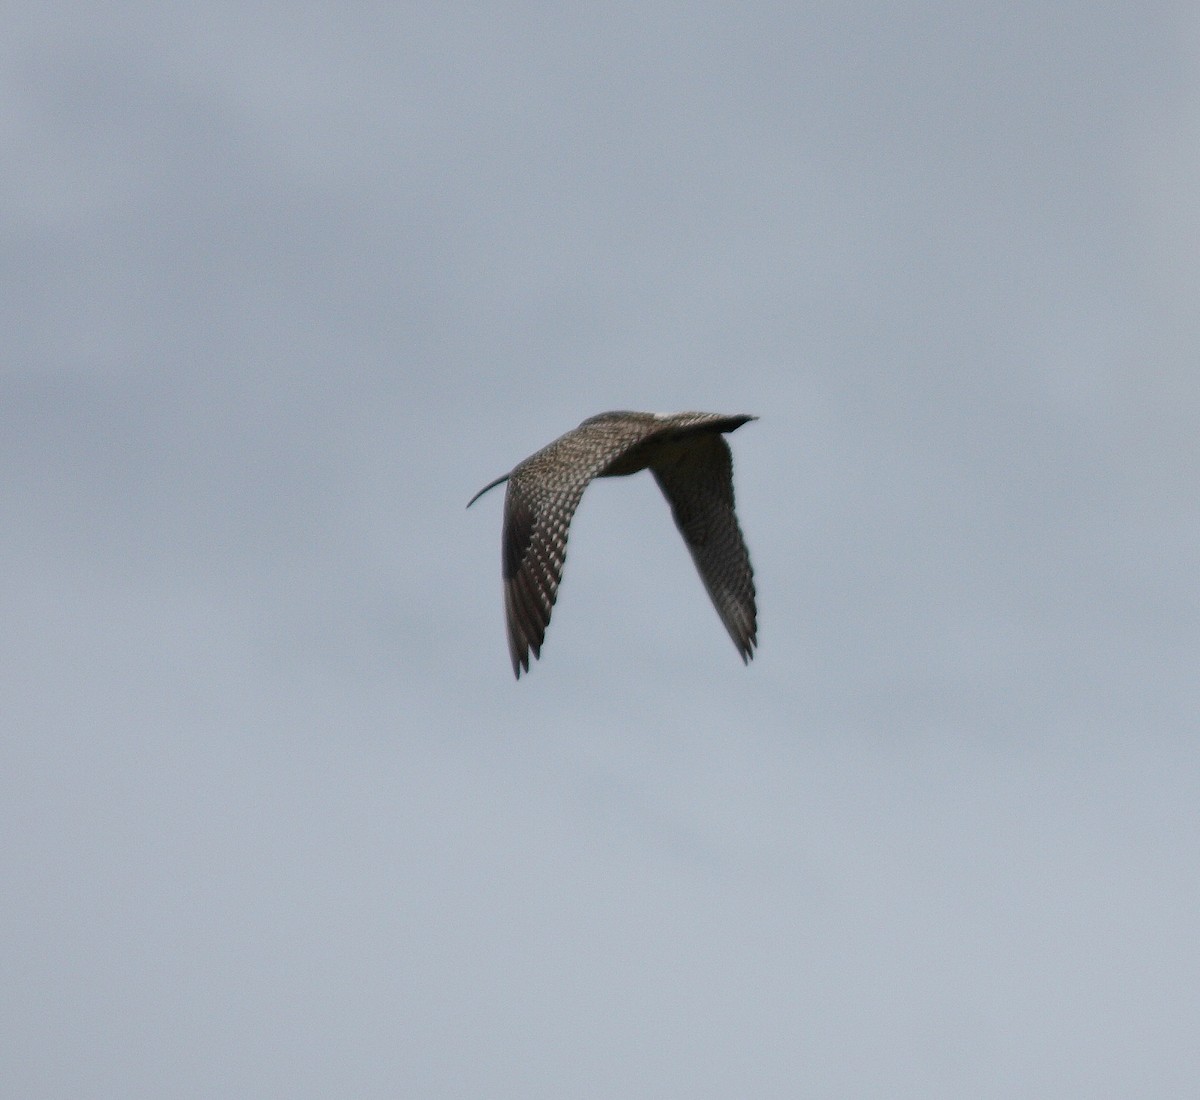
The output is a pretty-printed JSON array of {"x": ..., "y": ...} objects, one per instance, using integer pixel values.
[
  {"x": 697, "y": 481},
  {"x": 543, "y": 493},
  {"x": 535, "y": 546}
]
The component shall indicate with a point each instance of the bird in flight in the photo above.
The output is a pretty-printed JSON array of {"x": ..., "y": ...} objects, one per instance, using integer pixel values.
[{"x": 689, "y": 458}]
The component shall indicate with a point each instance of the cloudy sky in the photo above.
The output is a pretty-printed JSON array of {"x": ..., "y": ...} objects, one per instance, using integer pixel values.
[{"x": 283, "y": 285}]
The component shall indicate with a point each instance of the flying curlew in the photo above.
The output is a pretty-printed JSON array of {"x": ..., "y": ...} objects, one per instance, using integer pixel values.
[{"x": 693, "y": 466}]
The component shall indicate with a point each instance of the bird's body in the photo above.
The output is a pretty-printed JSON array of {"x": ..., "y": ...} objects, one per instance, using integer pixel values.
[{"x": 692, "y": 463}]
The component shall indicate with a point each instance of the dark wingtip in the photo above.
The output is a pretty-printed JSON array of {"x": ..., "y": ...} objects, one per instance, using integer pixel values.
[
  {"x": 490, "y": 485},
  {"x": 732, "y": 422},
  {"x": 745, "y": 648}
]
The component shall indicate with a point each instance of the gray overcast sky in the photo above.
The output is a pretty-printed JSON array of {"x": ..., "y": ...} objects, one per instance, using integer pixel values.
[{"x": 283, "y": 285}]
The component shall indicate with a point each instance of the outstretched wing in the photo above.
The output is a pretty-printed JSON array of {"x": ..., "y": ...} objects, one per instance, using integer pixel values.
[
  {"x": 535, "y": 547},
  {"x": 697, "y": 480},
  {"x": 543, "y": 493}
]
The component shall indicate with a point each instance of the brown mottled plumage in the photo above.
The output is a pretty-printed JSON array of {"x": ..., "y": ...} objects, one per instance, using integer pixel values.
[{"x": 692, "y": 463}]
